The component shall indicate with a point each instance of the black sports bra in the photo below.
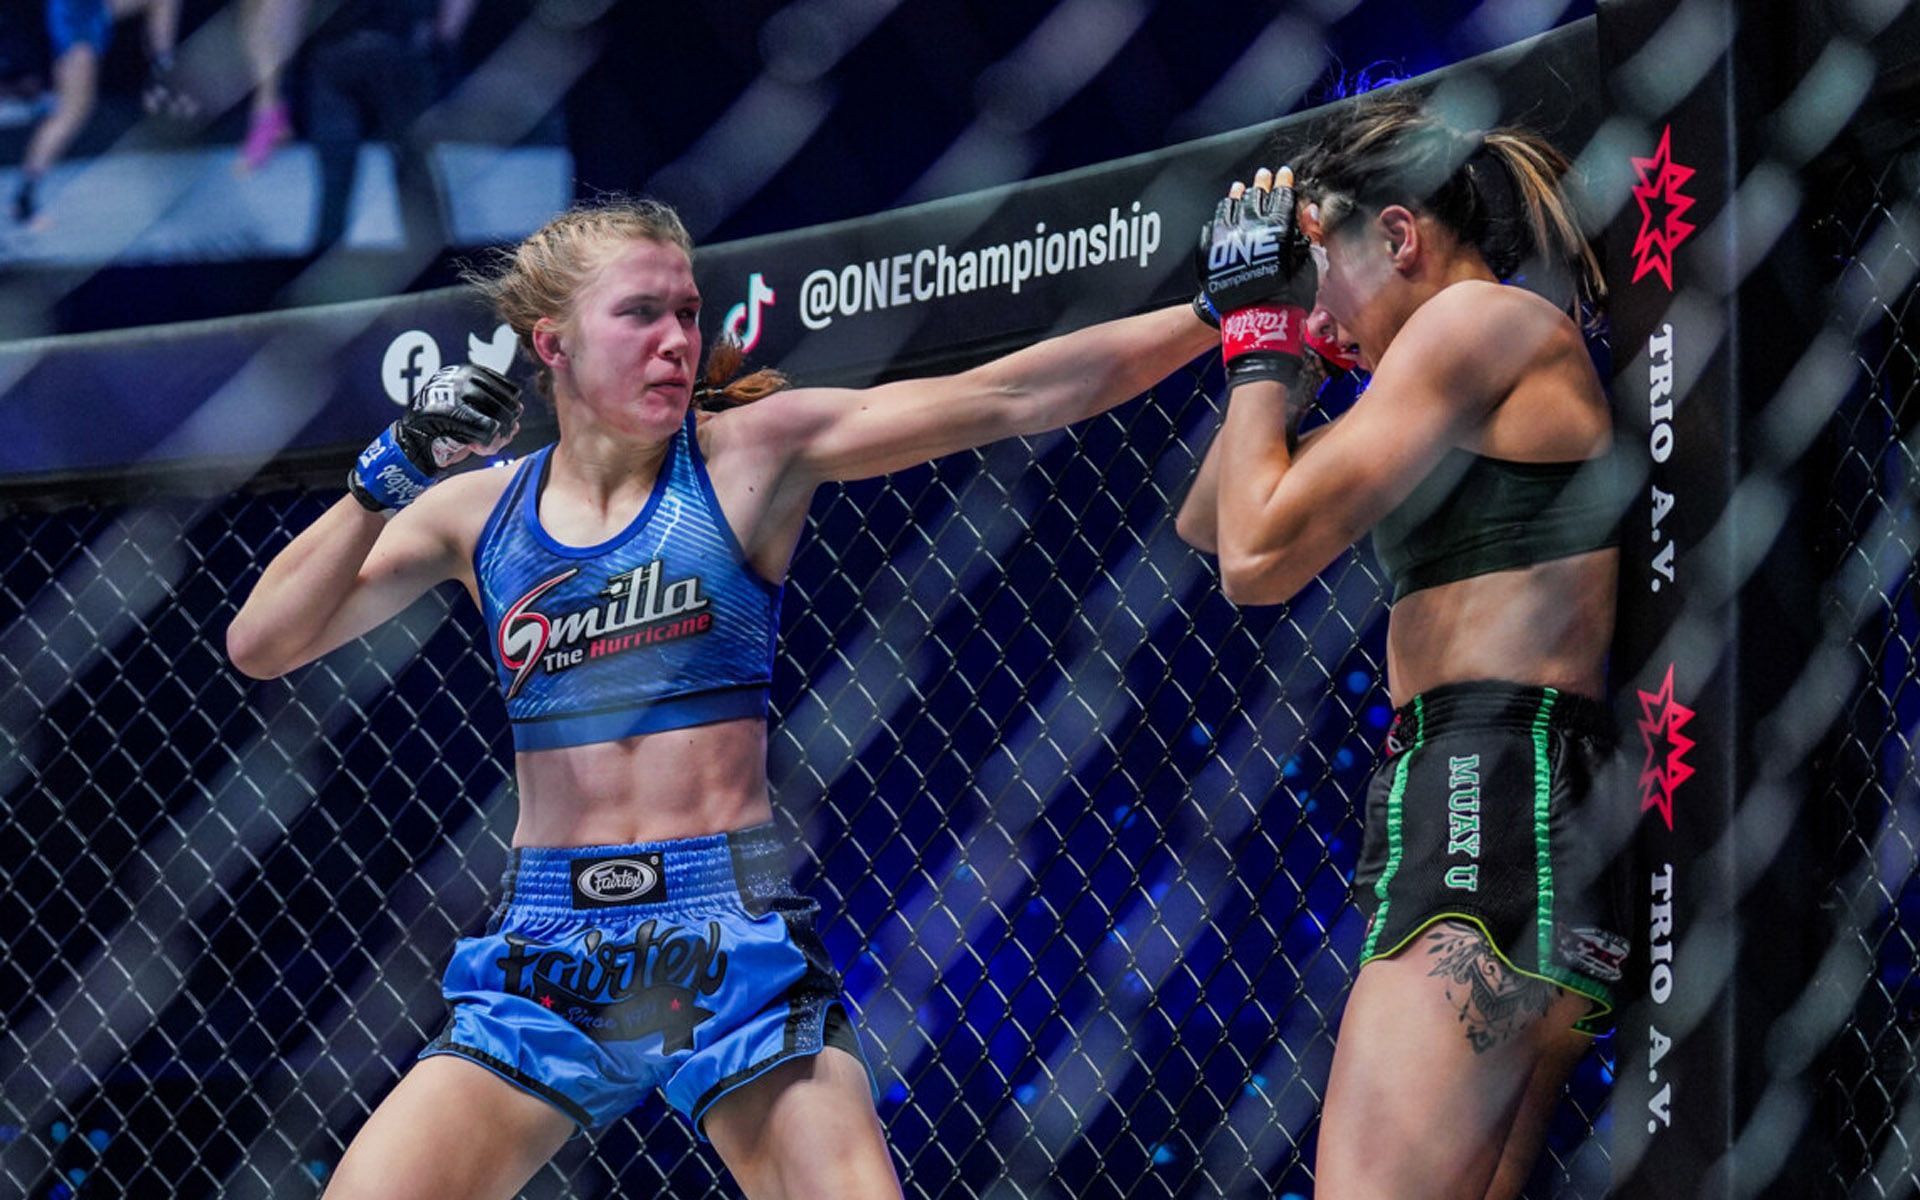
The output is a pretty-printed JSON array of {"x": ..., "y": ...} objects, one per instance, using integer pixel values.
[{"x": 1474, "y": 515}]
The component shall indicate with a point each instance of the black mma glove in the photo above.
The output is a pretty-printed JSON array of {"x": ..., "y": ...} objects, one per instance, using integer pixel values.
[
  {"x": 463, "y": 410},
  {"x": 1257, "y": 276}
]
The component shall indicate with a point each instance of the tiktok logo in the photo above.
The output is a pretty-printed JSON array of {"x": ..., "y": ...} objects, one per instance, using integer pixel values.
[{"x": 742, "y": 322}]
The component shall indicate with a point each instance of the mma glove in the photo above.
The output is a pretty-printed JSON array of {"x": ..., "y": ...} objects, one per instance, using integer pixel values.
[
  {"x": 1258, "y": 280},
  {"x": 460, "y": 411}
]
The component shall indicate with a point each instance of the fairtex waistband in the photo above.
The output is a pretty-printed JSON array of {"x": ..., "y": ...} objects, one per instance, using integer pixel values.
[{"x": 744, "y": 864}]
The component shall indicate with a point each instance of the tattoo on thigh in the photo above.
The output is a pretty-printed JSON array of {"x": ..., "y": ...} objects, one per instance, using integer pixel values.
[{"x": 1493, "y": 1001}]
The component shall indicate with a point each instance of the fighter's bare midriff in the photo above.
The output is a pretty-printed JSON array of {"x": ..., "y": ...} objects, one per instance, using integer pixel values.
[
  {"x": 679, "y": 783},
  {"x": 1549, "y": 624}
]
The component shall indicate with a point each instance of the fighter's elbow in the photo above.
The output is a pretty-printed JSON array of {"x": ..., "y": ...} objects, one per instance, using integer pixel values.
[
  {"x": 252, "y": 654},
  {"x": 1256, "y": 579},
  {"x": 1196, "y": 531}
]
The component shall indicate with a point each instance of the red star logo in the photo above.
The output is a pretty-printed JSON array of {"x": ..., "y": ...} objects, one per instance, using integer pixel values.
[
  {"x": 675, "y": 1006},
  {"x": 546, "y": 1001},
  {"x": 1661, "y": 718},
  {"x": 1660, "y": 181}
]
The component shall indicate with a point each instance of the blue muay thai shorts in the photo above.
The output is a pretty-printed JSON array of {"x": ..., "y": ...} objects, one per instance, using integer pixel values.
[{"x": 608, "y": 971}]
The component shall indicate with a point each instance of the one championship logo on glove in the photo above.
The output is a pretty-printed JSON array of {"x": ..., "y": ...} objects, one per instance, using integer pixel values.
[
  {"x": 1239, "y": 256},
  {"x": 441, "y": 397},
  {"x": 1237, "y": 244}
]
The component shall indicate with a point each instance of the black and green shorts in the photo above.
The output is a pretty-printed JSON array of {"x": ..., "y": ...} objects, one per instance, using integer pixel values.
[{"x": 1478, "y": 814}]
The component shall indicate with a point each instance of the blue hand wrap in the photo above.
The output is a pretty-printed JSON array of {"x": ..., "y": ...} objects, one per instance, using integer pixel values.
[{"x": 387, "y": 475}]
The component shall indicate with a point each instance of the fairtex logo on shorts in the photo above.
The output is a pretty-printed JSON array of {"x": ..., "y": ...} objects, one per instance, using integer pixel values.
[
  {"x": 639, "y": 611},
  {"x": 1600, "y": 954},
  {"x": 633, "y": 879},
  {"x": 1661, "y": 719},
  {"x": 1660, "y": 235},
  {"x": 619, "y": 991},
  {"x": 1395, "y": 743}
]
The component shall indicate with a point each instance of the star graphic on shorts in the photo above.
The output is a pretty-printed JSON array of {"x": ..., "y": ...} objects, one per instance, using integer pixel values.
[
  {"x": 1661, "y": 718},
  {"x": 546, "y": 1001},
  {"x": 1660, "y": 181},
  {"x": 675, "y": 1006}
]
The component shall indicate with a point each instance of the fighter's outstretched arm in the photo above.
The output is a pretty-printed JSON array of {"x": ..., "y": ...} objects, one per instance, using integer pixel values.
[{"x": 843, "y": 434}]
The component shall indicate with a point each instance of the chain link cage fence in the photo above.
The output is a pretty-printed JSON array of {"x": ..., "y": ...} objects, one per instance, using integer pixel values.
[
  {"x": 1869, "y": 228},
  {"x": 1083, "y": 833}
]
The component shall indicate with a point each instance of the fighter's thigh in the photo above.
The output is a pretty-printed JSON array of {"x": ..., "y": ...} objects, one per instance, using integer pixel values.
[
  {"x": 449, "y": 1128},
  {"x": 1564, "y": 1049},
  {"x": 1435, "y": 1054},
  {"x": 806, "y": 1129}
]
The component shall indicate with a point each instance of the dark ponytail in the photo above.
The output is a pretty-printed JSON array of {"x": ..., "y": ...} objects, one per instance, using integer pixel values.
[{"x": 1502, "y": 192}]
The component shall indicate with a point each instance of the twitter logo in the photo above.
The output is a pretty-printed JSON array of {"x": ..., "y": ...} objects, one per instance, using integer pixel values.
[{"x": 495, "y": 355}]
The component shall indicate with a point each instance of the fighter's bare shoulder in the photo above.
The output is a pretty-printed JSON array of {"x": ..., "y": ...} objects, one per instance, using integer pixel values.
[
  {"x": 456, "y": 508},
  {"x": 1479, "y": 332},
  {"x": 784, "y": 417}
]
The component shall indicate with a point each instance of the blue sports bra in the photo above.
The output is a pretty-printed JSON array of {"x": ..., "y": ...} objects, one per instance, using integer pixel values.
[{"x": 662, "y": 626}]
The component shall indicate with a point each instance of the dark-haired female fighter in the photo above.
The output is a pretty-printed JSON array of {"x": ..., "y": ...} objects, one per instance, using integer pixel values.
[{"x": 1478, "y": 459}]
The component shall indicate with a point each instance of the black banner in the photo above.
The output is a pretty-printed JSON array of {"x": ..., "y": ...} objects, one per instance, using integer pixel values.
[
  {"x": 215, "y": 404},
  {"x": 1710, "y": 313}
]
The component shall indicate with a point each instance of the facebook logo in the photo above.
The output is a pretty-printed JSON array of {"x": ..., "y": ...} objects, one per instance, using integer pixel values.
[{"x": 410, "y": 359}]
